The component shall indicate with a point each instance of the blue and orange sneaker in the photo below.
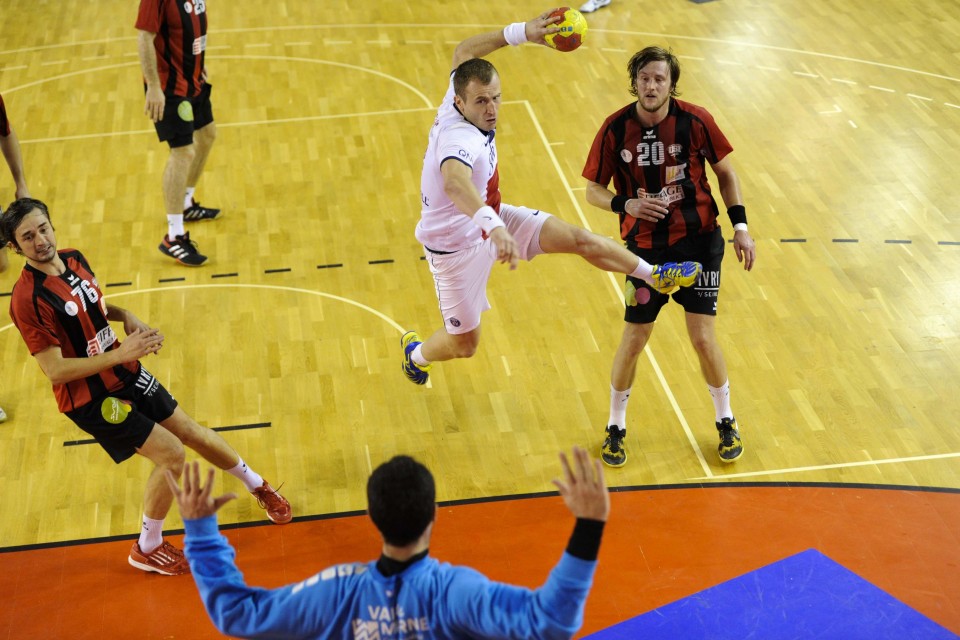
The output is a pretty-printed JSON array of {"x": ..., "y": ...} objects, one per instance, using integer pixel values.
[
  {"x": 668, "y": 276},
  {"x": 415, "y": 373}
]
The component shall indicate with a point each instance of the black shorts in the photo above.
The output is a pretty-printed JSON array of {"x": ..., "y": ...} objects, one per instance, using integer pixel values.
[
  {"x": 644, "y": 304},
  {"x": 182, "y": 116},
  {"x": 122, "y": 421}
]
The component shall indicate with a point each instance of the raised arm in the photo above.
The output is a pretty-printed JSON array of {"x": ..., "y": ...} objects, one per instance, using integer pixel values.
[
  {"x": 482, "y": 45},
  {"x": 555, "y": 610}
]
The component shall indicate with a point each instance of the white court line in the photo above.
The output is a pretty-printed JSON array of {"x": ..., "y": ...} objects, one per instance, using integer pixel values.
[
  {"x": 953, "y": 106},
  {"x": 842, "y": 465},
  {"x": 913, "y": 95},
  {"x": 366, "y": 448},
  {"x": 853, "y": 124},
  {"x": 344, "y": 65},
  {"x": 768, "y": 68},
  {"x": 618, "y": 295},
  {"x": 804, "y": 74},
  {"x": 248, "y": 123},
  {"x": 414, "y": 26},
  {"x": 882, "y": 88},
  {"x": 842, "y": 81}
]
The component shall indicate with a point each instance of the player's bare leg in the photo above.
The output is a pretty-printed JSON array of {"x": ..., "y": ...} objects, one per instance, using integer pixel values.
[
  {"x": 214, "y": 449},
  {"x": 203, "y": 140},
  {"x": 557, "y": 236},
  {"x": 702, "y": 331}
]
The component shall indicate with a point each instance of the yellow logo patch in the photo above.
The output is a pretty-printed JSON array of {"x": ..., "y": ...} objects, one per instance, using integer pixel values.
[
  {"x": 185, "y": 111},
  {"x": 114, "y": 411}
]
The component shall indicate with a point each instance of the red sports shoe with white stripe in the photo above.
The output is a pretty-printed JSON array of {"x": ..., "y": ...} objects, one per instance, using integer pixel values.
[{"x": 165, "y": 559}]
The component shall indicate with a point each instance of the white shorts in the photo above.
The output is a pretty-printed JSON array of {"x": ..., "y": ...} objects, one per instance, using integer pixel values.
[{"x": 461, "y": 277}]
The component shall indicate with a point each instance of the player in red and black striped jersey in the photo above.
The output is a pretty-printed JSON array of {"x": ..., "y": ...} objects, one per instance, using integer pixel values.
[
  {"x": 172, "y": 44},
  {"x": 655, "y": 151},
  {"x": 100, "y": 384}
]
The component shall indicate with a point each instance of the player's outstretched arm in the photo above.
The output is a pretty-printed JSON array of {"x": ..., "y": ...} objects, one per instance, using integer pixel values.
[
  {"x": 484, "y": 44},
  {"x": 555, "y": 610}
]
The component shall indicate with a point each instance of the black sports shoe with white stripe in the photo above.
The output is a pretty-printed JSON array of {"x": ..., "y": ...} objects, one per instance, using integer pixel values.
[
  {"x": 195, "y": 212},
  {"x": 183, "y": 250}
]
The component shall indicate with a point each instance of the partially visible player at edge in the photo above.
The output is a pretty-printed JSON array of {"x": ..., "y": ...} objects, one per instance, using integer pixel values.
[
  {"x": 465, "y": 228},
  {"x": 10, "y": 146},
  {"x": 100, "y": 384},
  {"x": 655, "y": 150}
]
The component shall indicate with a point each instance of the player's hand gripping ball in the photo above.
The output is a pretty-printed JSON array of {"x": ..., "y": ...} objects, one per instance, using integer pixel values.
[{"x": 573, "y": 28}]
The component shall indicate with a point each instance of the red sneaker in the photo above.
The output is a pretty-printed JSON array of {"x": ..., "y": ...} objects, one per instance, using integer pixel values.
[
  {"x": 165, "y": 559},
  {"x": 278, "y": 509}
]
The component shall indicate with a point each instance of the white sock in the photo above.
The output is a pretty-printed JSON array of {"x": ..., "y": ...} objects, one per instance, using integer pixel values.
[
  {"x": 643, "y": 271},
  {"x": 618, "y": 407},
  {"x": 151, "y": 535},
  {"x": 174, "y": 225},
  {"x": 417, "y": 356},
  {"x": 250, "y": 478},
  {"x": 188, "y": 199},
  {"x": 721, "y": 400}
]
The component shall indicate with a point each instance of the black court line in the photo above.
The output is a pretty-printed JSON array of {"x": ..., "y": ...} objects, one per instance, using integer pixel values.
[
  {"x": 6, "y": 294},
  {"x": 283, "y": 270},
  {"x": 950, "y": 243},
  {"x": 119, "y": 284},
  {"x": 236, "y": 427},
  {"x": 181, "y": 279},
  {"x": 519, "y": 496},
  {"x": 329, "y": 266},
  {"x": 225, "y": 275},
  {"x": 845, "y": 240},
  {"x": 898, "y": 241},
  {"x": 388, "y": 261},
  {"x": 793, "y": 240}
]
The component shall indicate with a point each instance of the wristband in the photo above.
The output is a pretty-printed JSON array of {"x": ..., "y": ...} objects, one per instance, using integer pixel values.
[
  {"x": 740, "y": 226},
  {"x": 619, "y": 204},
  {"x": 738, "y": 214},
  {"x": 487, "y": 219},
  {"x": 515, "y": 34}
]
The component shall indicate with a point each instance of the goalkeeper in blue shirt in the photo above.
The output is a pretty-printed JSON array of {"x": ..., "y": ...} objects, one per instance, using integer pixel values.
[{"x": 406, "y": 594}]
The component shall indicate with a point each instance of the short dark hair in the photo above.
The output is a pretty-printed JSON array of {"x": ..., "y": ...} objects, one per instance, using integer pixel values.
[
  {"x": 14, "y": 215},
  {"x": 654, "y": 54},
  {"x": 472, "y": 69},
  {"x": 401, "y": 500}
]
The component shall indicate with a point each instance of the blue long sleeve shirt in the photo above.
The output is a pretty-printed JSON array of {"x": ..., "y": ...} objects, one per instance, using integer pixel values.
[{"x": 428, "y": 600}]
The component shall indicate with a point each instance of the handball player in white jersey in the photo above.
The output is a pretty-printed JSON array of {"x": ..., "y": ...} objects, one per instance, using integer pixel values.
[{"x": 465, "y": 228}]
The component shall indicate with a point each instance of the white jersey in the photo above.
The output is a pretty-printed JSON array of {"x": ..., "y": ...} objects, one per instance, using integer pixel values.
[{"x": 442, "y": 226}]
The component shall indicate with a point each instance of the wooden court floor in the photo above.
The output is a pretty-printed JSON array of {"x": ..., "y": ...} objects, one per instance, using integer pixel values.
[{"x": 842, "y": 344}]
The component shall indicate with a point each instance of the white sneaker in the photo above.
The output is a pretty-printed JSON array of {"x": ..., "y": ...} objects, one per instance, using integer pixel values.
[
  {"x": 3, "y": 416},
  {"x": 592, "y": 5}
]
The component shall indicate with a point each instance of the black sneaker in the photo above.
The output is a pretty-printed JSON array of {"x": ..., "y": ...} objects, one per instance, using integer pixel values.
[
  {"x": 612, "y": 453},
  {"x": 195, "y": 212},
  {"x": 183, "y": 250},
  {"x": 730, "y": 447}
]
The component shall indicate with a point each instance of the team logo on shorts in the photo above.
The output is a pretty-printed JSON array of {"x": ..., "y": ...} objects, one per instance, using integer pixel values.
[
  {"x": 185, "y": 111},
  {"x": 114, "y": 410},
  {"x": 454, "y": 322}
]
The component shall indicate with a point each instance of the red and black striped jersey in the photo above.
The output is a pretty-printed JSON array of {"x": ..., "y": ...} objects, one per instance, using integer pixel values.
[
  {"x": 665, "y": 161},
  {"x": 181, "y": 42},
  {"x": 69, "y": 312},
  {"x": 4, "y": 123}
]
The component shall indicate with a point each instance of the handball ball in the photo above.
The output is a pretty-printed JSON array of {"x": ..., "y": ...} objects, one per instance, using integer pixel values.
[{"x": 573, "y": 28}]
